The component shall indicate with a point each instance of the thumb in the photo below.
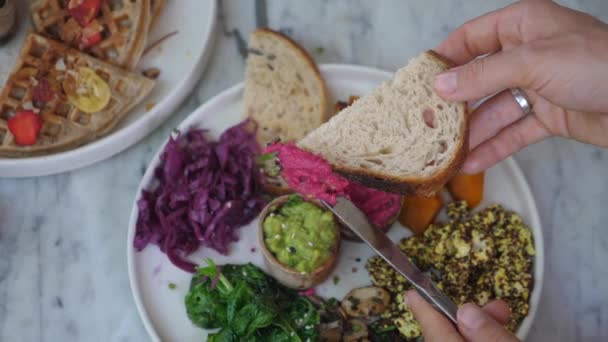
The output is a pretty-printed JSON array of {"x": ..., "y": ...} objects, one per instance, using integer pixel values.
[
  {"x": 477, "y": 326},
  {"x": 486, "y": 76}
]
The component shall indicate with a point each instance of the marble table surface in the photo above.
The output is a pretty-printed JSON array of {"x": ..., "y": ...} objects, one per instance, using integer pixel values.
[{"x": 63, "y": 274}]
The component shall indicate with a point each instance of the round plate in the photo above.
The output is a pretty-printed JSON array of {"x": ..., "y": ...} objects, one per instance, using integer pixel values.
[
  {"x": 162, "y": 309},
  {"x": 180, "y": 59}
]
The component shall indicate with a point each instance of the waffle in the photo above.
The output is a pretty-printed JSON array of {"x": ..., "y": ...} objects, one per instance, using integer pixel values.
[
  {"x": 156, "y": 7},
  {"x": 125, "y": 28},
  {"x": 64, "y": 126}
]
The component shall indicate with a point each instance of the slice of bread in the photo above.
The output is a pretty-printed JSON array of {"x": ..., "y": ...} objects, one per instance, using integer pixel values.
[
  {"x": 401, "y": 137},
  {"x": 284, "y": 91}
]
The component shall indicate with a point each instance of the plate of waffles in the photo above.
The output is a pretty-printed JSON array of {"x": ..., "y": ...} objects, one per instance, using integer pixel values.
[{"x": 82, "y": 80}]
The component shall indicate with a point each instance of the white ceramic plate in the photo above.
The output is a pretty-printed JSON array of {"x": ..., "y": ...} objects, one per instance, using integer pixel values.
[
  {"x": 162, "y": 310},
  {"x": 180, "y": 58}
]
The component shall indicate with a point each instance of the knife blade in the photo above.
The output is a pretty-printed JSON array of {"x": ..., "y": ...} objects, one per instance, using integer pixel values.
[{"x": 354, "y": 219}]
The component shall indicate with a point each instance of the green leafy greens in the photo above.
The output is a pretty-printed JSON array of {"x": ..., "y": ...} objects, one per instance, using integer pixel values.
[{"x": 247, "y": 305}]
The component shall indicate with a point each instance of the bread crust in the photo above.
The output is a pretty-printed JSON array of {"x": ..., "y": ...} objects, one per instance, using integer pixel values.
[
  {"x": 156, "y": 7},
  {"x": 414, "y": 186}
]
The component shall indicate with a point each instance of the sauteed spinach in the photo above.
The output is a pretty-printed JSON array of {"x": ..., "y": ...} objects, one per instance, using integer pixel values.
[{"x": 247, "y": 305}]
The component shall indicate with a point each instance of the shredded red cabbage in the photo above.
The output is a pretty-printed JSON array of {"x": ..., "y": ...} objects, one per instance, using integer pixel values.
[{"x": 205, "y": 191}]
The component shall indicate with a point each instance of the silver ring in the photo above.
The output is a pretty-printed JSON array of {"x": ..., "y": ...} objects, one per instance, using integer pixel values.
[{"x": 521, "y": 100}]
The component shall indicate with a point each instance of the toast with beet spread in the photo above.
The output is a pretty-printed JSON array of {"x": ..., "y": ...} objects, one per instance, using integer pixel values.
[{"x": 401, "y": 137}]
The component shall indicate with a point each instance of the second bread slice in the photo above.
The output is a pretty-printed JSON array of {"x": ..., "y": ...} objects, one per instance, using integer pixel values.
[{"x": 284, "y": 91}]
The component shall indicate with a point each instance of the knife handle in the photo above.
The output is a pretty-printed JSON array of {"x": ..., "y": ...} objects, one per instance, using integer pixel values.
[{"x": 438, "y": 299}]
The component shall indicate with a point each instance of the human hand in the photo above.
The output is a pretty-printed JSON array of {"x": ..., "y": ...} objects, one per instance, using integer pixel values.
[
  {"x": 558, "y": 56},
  {"x": 474, "y": 323}
]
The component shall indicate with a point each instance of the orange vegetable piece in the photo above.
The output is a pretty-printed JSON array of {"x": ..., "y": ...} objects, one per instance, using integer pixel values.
[
  {"x": 467, "y": 188},
  {"x": 418, "y": 212}
]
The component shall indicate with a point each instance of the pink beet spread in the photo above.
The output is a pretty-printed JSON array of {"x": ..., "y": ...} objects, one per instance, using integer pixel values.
[
  {"x": 379, "y": 206},
  {"x": 312, "y": 176},
  {"x": 307, "y": 173}
]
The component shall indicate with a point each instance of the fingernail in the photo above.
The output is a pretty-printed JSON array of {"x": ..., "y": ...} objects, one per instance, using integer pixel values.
[
  {"x": 471, "y": 316},
  {"x": 470, "y": 167},
  {"x": 447, "y": 82},
  {"x": 408, "y": 297},
  {"x": 405, "y": 297}
]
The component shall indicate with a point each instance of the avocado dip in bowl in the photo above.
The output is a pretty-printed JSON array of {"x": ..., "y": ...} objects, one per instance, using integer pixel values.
[{"x": 300, "y": 240}]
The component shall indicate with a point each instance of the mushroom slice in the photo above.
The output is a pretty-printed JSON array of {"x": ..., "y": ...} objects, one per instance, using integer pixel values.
[
  {"x": 331, "y": 332},
  {"x": 332, "y": 319},
  {"x": 355, "y": 331},
  {"x": 366, "y": 302}
]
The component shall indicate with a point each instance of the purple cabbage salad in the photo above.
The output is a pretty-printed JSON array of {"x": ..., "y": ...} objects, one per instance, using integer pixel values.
[{"x": 203, "y": 191}]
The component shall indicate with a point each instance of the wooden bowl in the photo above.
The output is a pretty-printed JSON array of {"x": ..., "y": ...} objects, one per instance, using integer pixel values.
[{"x": 285, "y": 275}]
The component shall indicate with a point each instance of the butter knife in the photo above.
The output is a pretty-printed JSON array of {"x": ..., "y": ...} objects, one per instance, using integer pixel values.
[{"x": 354, "y": 219}]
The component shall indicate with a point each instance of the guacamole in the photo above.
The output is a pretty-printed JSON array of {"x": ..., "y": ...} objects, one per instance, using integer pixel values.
[{"x": 300, "y": 234}]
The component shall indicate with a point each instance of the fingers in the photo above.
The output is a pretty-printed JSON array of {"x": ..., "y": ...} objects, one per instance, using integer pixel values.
[
  {"x": 435, "y": 327},
  {"x": 476, "y": 326},
  {"x": 511, "y": 139},
  {"x": 499, "y": 310},
  {"x": 482, "y": 35},
  {"x": 486, "y": 76},
  {"x": 492, "y": 116},
  {"x": 474, "y": 323},
  {"x": 474, "y": 38}
]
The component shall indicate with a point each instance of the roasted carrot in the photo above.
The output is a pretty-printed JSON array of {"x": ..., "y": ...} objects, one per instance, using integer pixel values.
[
  {"x": 418, "y": 212},
  {"x": 467, "y": 188}
]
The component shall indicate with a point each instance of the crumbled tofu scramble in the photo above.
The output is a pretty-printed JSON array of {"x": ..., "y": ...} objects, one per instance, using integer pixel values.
[{"x": 475, "y": 257}]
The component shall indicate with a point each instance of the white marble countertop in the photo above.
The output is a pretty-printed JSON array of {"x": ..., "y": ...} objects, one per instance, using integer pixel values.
[{"x": 63, "y": 274}]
